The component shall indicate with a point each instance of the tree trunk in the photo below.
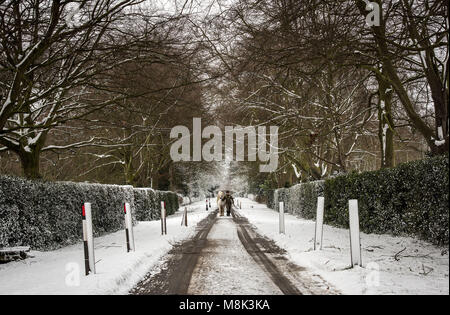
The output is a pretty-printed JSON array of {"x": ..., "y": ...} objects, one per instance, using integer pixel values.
[
  {"x": 171, "y": 179},
  {"x": 155, "y": 181},
  {"x": 390, "y": 71},
  {"x": 30, "y": 163},
  {"x": 130, "y": 176},
  {"x": 386, "y": 124}
]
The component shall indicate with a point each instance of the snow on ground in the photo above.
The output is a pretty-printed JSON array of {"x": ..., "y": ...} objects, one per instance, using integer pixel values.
[
  {"x": 226, "y": 268},
  {"x": 418, "y": 268},
  {"x": 56, "y": 272}
]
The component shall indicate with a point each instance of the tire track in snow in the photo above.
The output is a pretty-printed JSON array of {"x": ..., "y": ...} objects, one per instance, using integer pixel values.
[
  {"x": 224, "y": 263},
  {"x": 175, "y": 276}
]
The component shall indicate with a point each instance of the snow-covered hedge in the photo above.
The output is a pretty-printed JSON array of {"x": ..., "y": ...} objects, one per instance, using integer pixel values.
[
  {"x": 270, "y": 198},
  {"x": 47, "y": 215},
  {"x": 147, "y": 203},
  {"x": 411, "y": 199},
  {"x": 301, "y": 199}
]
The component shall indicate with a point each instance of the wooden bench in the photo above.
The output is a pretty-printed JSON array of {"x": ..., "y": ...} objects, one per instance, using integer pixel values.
[{"x": 8, "y": 254}]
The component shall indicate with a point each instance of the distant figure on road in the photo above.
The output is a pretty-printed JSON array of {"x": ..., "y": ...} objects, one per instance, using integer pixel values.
[
  {"x": 229, "y": 202},
  {"x": 221, "y": 202}
]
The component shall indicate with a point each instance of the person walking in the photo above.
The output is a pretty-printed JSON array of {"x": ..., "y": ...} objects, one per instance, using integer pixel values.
[{"x": 229, "y": 202}]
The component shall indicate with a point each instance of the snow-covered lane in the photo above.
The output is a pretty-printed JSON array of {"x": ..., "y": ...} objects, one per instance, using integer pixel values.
[
  {"x": 225, "y": 267},
  {"x": 227, "y": 257},
  {"x": 392, "y": 265},
  {"x": 56, "y": 272}
]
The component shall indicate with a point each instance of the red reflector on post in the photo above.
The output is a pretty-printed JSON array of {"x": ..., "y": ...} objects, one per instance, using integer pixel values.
[
  {"x": 84, "y": 212},
  {"x": 125, "y": 208}
]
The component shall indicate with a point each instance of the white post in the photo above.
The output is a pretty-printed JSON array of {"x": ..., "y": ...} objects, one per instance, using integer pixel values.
[
  {"x": 163, "y": 218},
  {"x": 355, "y": 240},
  {"x": 90, "y": 236},
  {"x": 129, "y": 228},
  {"x": 184, "y": 221},
  {"x": 318, "y": 236},
  {"x": 282, "y": 226}
]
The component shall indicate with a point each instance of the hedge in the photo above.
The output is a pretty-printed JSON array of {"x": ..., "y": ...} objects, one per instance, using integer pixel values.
[
  {"x": 409, "y": 200},
  {"x": 301, "y": 199},
  {"x": 270, "y": 197},
  {"x": 47, "y": 215}
]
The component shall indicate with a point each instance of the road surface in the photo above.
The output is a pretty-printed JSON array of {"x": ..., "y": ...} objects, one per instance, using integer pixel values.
[{"x": 228, "y": 257}]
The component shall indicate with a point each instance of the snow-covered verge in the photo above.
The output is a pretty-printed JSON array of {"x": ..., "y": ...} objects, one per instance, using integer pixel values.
[
  {"x": 391, "y": 265},
  {"x": 56, "y": 272}
]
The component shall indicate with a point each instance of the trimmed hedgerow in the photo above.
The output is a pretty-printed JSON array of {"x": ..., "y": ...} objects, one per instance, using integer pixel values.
[
  {"x": 147, "y": 203},
  {"x": 411, "y": 199},
  {"x": 270, "y": 197},
  {"x": 301, "y": 199},
  {"x": 47, "y": 215}
]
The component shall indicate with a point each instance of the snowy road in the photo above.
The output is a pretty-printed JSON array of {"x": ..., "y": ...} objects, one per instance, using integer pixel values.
[
  {"x": 224, "y": 267},
  {"x": 227, "y": 257}
]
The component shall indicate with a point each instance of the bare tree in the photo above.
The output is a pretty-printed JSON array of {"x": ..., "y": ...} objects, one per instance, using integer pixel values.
[
  {"x": 50, "y": 53},
  {"x": 411, "y": 43}
]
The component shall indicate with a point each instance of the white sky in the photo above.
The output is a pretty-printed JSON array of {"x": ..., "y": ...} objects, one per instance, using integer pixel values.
[{"x": 200, "y": 7}]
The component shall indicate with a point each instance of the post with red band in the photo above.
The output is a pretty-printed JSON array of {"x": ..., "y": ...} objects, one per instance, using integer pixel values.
[
  {"x": 163, "y": 218},
  {"x": 85, "y": 243},
  {"x": 126, "y": 229},
  {"x": 129, "y": 228},
  {"x": 89, "y": 236}
]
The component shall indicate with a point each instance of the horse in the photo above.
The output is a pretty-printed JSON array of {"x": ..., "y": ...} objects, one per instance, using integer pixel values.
[{"x": 221, "y": 203}]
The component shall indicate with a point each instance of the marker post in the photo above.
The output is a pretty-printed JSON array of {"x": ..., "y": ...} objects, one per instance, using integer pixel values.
[
  {"x": 129, "y": 228},
  {"x": 88, "y": 239},
  {"x": 318, "y": 236},
  {"x": 184, "y": 221},
  {"x": 282, "y": 225},
  {"x": 355, "y": 238},
  {"x": 163, "y": 218},
  {"x": 85, "y": 242}
]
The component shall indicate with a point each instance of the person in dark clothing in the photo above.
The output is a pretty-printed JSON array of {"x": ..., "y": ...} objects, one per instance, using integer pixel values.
[{"x": 229, "y": 201}]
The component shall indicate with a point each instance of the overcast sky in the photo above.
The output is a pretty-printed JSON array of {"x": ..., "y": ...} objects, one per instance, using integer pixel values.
[{"x": 201, "y": 7}]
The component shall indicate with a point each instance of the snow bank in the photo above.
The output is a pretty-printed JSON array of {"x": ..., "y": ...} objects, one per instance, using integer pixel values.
[
  {"x": 392, "y": 265},
  {"x": 117, "y": 271}
]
